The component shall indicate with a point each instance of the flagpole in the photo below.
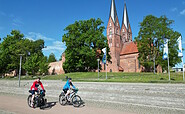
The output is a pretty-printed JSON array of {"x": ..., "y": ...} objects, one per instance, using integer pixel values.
[
  {"x": 183, "y": 68},
  {"x": 106, "y": 63},
  {"x": 168, "y": 62}
]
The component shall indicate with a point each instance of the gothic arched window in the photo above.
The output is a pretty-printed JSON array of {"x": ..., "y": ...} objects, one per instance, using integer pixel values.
[
  {"x": 123, "y": 30},
  {"x": 110, "y": 24}
]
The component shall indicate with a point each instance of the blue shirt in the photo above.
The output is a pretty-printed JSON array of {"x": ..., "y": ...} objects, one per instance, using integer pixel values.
[{"x": 67, "y": 85}]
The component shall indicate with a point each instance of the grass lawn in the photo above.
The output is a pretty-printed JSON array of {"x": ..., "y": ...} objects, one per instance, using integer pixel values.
[{"x": 113, "y": 77}]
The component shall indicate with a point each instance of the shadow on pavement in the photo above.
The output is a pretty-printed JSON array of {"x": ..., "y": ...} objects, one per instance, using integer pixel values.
[{"x": 48, "y": 105}]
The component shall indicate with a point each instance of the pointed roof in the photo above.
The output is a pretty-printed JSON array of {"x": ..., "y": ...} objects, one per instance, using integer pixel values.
[
  {"x": 125, "y": 17},
  {"x": 113, "y": 12}
]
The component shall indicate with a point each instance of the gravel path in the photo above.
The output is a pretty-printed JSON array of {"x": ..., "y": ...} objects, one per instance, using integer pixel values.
[{"x": 126, "y": 97}]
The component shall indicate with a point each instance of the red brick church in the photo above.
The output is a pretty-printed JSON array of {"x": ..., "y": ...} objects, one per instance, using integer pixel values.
[{"x": 123, "y": 51}]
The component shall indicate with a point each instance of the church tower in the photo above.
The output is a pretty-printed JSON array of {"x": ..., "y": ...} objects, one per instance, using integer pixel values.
[
  {"x": 113, "y": 37},
  {"x": 126, "y": 32}
]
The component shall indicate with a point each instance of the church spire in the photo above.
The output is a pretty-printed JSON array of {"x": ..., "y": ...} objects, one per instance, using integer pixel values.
[
  {"x": 125, "y": 17},
  {"x": 113, "y": 12}
]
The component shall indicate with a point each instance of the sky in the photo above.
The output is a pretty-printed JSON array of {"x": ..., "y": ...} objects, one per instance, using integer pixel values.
[{"x": 47, "y": 19}]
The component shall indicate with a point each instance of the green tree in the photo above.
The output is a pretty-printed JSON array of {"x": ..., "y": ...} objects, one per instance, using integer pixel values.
[
  {"x": 15, "y": 44},
  {"x": 156, "y": 29},
  {"x": 83, "y": 39},
  {"x": 10, "y": 50},
  {"x": 51, "y": 58},
  {"x": 32, "y": 64},
  {"x": 43, "y": 66}
]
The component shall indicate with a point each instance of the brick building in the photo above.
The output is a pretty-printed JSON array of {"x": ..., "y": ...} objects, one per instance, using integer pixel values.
[
  {"x": 56, "y": 67},
  {"x": 123, "y": 51}
]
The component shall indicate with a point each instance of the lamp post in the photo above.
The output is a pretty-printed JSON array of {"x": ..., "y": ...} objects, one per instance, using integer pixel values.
[
  {"x": 20, "y": 68},
  {"x": 98, "y": 52},
  {"x": 98, "y": 68}
]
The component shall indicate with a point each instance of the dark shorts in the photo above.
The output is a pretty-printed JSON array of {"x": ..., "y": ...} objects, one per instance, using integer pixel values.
[
  {"x": 65, "y": 90},
  {"x": 33, "y": 92}
]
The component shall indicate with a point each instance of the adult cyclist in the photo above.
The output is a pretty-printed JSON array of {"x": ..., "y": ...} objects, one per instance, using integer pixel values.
[
  {"x": 34, "y": 88},
  {"x": 67, "y": 87}
]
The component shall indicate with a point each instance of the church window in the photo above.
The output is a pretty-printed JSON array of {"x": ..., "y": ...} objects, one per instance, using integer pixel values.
[
  {"x": 117, "y": 44},
  {"x": 110, "y": 32},
  {"x": 116, "y": 24},
  {"x": 117, "y": 30},
  {"x": 129, "y": 37},
  {"x": 110, "y": 42},
  {"x": 123, "y": 30},
  {"x": 110, "y": 24}
]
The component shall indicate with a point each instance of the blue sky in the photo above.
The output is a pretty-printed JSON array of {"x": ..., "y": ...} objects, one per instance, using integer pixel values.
[{"x": 46, "y": 19}]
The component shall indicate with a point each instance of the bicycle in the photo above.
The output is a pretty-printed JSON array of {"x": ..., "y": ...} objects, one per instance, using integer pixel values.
[
  {"x": 73, "y": 98},
  {"x": 39, "y": 99}
]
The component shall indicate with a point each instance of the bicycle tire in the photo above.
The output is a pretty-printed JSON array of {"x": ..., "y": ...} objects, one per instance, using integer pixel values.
[{"x": 76, "y": 100}]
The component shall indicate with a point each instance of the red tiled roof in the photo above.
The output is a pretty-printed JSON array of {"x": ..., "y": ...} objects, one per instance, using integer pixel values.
[{"x": 129, "y": 48}]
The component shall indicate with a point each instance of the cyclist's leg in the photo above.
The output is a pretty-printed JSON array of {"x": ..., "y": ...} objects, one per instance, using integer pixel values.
[
  {"x": 67, "y": 93},
  {"x": 33, "y": 95}
]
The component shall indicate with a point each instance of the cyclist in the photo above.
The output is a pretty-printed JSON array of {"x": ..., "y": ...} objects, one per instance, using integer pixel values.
[
  {"x": 67, "y": 86},
  {"x": 34, "y": 88}
]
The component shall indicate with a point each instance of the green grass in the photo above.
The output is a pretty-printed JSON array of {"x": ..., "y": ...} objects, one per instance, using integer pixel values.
[{"x": 112, "y": 77}]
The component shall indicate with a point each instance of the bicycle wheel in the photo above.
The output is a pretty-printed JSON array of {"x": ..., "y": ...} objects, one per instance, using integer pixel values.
[
  {"x": 62, "y": 100},
  {"x": 76, "y": 100},
  {"x": 29, "y": 100}
]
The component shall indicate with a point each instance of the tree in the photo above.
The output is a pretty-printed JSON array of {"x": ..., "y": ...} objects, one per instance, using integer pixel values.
[
  {"x": 10, "y": 50},
  {"x": 83, "y": 39},
  {"x": 51, "y": 58},
  {"x": 32, "y": 64},
  {"x": 43, "y": 66},
  {"x": 15, "y": 44},
  {"x": 156, "y": 29}
]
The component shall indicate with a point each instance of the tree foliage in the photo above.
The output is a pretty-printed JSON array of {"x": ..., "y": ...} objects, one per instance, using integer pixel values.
[
  {"x": 51, "y": 58},
  {"x": 83, "y": 39},
  {"x": 156, "y": 29},
  {"x": 15, "y": 44},
  {"x": 43, "y": 66}
]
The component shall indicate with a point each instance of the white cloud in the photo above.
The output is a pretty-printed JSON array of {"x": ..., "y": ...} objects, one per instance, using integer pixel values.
[
  {"x": 35, "y": 36},
  {"x": 17, "y": 22},
  {"x": 174, "y": 9},
  {"x": 182, "y": 12},
  {"x": 57, "y": 48}
]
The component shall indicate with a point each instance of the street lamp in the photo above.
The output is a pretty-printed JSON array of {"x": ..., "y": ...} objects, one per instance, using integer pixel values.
[
  {"x": 20, "y": 68},
  {"x": 98, "y": 52}
]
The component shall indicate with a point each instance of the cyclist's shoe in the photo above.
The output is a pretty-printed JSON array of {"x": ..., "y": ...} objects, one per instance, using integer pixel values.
[{"x": 32, "y": 105}]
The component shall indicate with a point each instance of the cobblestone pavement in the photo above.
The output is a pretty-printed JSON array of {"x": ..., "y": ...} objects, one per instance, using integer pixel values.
[{"x": 128, "y": 97}]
